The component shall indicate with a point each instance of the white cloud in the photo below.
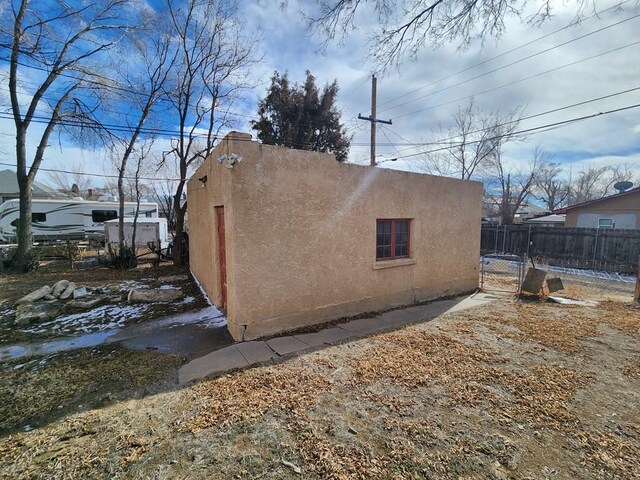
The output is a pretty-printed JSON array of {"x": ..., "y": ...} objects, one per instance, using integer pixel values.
[{"x": 287, "y": 46}]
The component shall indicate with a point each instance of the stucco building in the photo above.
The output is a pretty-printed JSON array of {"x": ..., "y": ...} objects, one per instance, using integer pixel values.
[
  {"x": 619, "y": 211},
  {"x": 282, "y": 238}
]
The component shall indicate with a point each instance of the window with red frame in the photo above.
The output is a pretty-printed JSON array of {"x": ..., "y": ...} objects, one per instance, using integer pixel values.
[{"x": 392, "y": 239}]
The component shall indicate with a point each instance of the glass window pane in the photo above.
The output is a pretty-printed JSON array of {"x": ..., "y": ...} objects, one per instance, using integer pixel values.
[
  {"x": 37, "y": 217},
  {"x": 386, "y": 252},
  {"x": 379, "y": 226},
  {"x": 401, "y": 238},
  {"x": 379, "y": 239},
  {"x": 387, "y": 226},
  {"x": 379, "y": 252},
  {"x": 401, "y": 226}
]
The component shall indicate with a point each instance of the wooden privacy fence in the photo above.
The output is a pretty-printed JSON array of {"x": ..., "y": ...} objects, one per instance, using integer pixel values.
[{"x": 600, "y": 249}]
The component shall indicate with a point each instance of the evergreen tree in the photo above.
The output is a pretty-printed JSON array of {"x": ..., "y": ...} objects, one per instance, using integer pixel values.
[{"x": 299, "y": 116}]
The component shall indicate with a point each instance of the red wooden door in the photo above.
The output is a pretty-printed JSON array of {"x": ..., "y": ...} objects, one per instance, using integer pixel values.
[{"x": 222, "y": 255}]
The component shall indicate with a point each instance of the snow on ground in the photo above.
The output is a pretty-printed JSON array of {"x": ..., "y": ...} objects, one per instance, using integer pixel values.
[{"x": 106, "y": 317}]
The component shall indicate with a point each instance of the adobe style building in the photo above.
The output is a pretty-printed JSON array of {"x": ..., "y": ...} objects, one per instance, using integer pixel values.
[
  {"x": 281, "y": 238},
  {"x": 619, "y": 211}
]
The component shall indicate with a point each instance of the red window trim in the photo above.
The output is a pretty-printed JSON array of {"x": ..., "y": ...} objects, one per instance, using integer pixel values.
[{"x": 393, "y": 238}]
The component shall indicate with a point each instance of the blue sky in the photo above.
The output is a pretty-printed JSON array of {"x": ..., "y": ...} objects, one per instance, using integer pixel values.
[{"x": 287, "y": 45}]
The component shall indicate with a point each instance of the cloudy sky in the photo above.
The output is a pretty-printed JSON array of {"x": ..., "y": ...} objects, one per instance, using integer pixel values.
[{"x": 421, "y": 96}]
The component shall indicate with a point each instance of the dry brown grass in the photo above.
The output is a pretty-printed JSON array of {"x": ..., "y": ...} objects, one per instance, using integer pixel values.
[
  {"x": 249, "y": 395},
  {"x": 41, "y": 389},
  {"x": 449, "y": 399}
]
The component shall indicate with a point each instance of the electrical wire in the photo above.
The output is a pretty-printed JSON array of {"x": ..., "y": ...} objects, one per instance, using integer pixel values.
[
  {"x": 475, "y": 94},
  {"x": 533, "y": 130},
  {"x": 571, "y": 25},
  {"x": 515, "y": 62}
]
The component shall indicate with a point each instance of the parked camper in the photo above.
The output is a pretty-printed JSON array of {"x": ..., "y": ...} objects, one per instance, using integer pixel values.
[
  {"x": 148, "y": 230},
  {"x": 67, "y": 219}
]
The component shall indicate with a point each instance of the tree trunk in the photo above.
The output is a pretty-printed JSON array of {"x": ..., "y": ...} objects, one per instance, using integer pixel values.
[
  {"x": 122, "y": 245},
  {"x": 179, "y": 236},
  {"x": 23, "y": 260}
]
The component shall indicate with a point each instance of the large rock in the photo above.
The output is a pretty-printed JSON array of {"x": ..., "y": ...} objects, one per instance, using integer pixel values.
[
  {"x": 37, "y": 312},
  {"x": 87, "y": 304},
  {"x": 68, "y": 291},
  {"x": 173, "y": 278},
  {"x": 152, "y": 295},
  {"x": 80, "y": 292},
  {"x": 35, "y": 295},
  {"x": 59, "y": 287}
]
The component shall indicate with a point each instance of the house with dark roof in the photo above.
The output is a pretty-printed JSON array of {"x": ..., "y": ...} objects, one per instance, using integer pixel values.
[
  {"x": 9, "y": 188},
  {"x": 619, "y": 211}
]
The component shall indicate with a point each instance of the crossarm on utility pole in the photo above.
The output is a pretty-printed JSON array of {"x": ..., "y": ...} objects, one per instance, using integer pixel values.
[{"x": 373, "y": 120}]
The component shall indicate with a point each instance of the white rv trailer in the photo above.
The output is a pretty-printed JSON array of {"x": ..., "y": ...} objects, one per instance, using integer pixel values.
[{"x": 67, "y": 219}]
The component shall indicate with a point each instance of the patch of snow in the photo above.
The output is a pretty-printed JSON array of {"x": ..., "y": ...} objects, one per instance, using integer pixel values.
[
  {"x": 106, "y": 317},
  {"x": 188, "y": 300},
  {"x": 168, "y": 287},
  {"x": 204, "y": 294}
]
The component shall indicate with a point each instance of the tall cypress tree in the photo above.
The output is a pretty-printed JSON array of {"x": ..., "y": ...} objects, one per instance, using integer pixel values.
[{"x": 300, "y": 116}]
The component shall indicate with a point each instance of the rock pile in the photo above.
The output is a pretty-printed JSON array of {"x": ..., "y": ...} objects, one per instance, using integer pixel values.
[{"x": 47, "y": 302}]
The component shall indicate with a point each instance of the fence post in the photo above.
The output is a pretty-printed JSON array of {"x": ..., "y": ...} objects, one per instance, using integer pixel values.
[
  {"x": 504, "y": 239},
  {"x": 595, "y": 249},
  {"x": 495, "y": 244},
  {"x": 636, "y": 294},
  {"x": 528, "y": 240}
]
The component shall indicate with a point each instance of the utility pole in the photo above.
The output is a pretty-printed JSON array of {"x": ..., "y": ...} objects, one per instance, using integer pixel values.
[{"x": 373, "y": 119}]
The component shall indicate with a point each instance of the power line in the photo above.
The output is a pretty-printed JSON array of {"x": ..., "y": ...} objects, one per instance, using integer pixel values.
[
  {"x": 443, "y": 140},
  {"x": 571, "y": 25},
  {"x": 528, "y": 117},
  {"x": 546, "y": 50},
  {"x": 519, "y": 80},
  {"x": 416, "y": 144},
  {"x": 104, "y": 85},
  {"x": 533, "y": 130},
  {"x": 101, "y": 175}
]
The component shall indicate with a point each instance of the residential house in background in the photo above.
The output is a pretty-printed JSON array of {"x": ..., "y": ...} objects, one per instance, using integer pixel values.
[
  {"x": 551, "y": 220},
  {"x": 9, "y": 188},
  {"x": 619, "y": 211},
  {"x": 282, "y": 238},
  {"x": 491, "y": 213}
]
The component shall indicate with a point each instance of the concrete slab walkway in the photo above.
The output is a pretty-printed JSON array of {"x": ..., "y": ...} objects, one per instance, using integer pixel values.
[{"x": 258, "y": 352}]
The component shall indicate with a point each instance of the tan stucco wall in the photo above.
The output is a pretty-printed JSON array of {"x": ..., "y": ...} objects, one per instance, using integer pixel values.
[
  {"x": 301, "y": 237},
  {"x": 627, "y": 205}
]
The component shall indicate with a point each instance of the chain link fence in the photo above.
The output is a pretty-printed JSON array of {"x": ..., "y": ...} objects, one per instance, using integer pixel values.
[{"x": 501, "y": 273}]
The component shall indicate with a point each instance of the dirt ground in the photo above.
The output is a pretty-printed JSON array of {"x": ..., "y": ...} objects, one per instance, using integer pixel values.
[
  {"x": 523, "y": 390},
  {"x": 115, "y": 314}
]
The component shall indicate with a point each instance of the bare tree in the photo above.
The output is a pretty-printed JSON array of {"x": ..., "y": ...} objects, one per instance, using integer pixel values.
[
  {"x": 597, "y": 182},
  {"x": 588, "y": 185},
  {"x": 550, "y": 188},
  {"x": 620, "y": 172},
  {"x": 162, "y": 191},
  {"x": 151, "y": 58},
  {"x": 59, "y": 39},
  {"x": 213, "y": 53},
  {"x": 407, "y": 26},
  {"x": 468, "y": 147},
  {"x": 76, "y": 182},
  {"x": 511, "y": 187}
]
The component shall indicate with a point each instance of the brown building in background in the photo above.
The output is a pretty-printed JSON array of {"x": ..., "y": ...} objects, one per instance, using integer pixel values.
[
  {"x": 619, "y": 211},
  {"x": 283, "y": 238}
]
